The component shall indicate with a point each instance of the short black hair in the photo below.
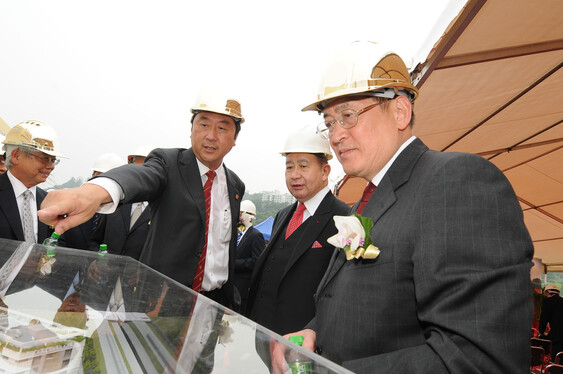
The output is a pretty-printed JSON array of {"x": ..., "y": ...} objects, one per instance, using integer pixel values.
[{"x": 235, "y": 120}]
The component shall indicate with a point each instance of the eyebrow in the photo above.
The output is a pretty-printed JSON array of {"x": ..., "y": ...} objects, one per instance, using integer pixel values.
[
  {"x": 225, "y": 121},
  {"x": 339, "y": 108},
  {"x": 301, "y": 160}
]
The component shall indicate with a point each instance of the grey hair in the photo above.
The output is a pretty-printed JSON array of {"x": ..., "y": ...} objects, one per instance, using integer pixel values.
[{"x": 9, "y": 148}]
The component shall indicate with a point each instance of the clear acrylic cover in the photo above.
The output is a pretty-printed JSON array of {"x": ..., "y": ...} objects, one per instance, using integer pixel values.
[{"x": 76, "y": 312}]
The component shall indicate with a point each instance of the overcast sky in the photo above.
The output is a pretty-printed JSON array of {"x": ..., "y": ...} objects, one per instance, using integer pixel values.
[{"x": 111, "y": 75}]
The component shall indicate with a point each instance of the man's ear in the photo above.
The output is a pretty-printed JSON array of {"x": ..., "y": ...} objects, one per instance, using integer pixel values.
[{"x": 402, "y": 112}]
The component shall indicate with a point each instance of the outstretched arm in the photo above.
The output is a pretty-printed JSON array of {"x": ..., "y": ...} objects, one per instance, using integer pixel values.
[{"x": 70, "y": 207}]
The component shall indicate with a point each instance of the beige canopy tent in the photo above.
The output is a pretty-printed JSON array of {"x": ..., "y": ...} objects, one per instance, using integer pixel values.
[{"x": 493, "y": 86}]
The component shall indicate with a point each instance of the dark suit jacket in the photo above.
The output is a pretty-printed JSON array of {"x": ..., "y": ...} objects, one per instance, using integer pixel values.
[
  {"x": 552, "y": 313},
  {"x": 113, "y": 230},
  {"x": 449, "y": 291},
  {"x": 10, "y": 222},
  {"x": 170, "y": 181},
  {"x": 294, "y": 302},
  {"x": 251, "y": 246}
]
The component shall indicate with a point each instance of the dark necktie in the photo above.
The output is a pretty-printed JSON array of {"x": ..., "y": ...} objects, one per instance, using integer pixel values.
[
  {"x": 198, "y": 279},
  {"x": 365, "y": 197},
  {"x": 296, "y": 220}
]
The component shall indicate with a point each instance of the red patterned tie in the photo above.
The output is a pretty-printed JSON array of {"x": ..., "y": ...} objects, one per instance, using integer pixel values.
[
  {"x": 365, "y": 197},
  {"x": 198, "y": 280},
  {"x": 296, "y": 220}
]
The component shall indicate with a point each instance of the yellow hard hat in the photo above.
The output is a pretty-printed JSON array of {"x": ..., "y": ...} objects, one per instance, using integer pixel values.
[
  {"x": 213, "y": 100},
  {"x": 360, "y": 68},
  {"x": 36, "y": 135}
]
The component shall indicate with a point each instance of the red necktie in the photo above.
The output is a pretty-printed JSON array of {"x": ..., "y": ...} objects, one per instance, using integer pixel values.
[
  {"x": 365, "y": 197},
  {"x": 198, "y": 279},
  {"x": 296, "y": 220}
]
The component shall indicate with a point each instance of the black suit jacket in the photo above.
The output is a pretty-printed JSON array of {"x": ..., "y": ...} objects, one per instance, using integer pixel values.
[
  {"x": 113, "y": 230},
  {"x": 294, "y": 293},
  {"x": 450, "y": 290},
  {"x": 10, "y": 222},
  {"x": 552, "y": 313},
  {"x": 170, "y": 181},
  {"x": 251, "y": 246}
]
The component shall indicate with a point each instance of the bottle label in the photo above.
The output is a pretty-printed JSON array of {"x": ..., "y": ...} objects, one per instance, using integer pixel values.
[{"x": 301, "y": 368}]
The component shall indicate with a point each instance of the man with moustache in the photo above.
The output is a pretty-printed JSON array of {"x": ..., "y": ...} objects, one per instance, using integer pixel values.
[
  {"x": 449, "y": 290},
  {"x": 194, "y": 201}
]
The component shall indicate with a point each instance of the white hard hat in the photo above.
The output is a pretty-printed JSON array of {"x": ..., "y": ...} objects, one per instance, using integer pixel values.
[
  {"x": 106, "y": 162},
  {"x": 306, "y": 140},
  {"x": 360, "y": 68},
  {"x": 142, "y": 150},
  {"x": 36, "y": 135},
  {"x": 213, "y": 100},
  {"x": 248, "y": 207}
]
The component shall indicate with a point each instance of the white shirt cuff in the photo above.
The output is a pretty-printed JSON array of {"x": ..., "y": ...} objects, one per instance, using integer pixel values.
[{"x": 114, "y": 190}]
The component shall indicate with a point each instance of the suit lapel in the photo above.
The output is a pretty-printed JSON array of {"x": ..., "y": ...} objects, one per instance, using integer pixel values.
[
  {"x": 192, "y": 179},
  {"x": 9, "y": 206},
  {"x": 43, "y": 230},
  {"x": 280, "y": 223},
  {"x": 314, "y": 227},
  {"x": 144, "y": 217},
  {"x": 382, "y": 199}
]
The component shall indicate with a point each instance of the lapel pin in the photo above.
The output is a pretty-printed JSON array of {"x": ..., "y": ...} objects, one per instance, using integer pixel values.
[{"x": 236, "y": 196}]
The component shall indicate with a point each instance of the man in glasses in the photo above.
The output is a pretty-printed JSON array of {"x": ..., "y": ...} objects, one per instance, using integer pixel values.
[
  {"x": 449, "y": 291},
  {"x": 32, "y": 150}
]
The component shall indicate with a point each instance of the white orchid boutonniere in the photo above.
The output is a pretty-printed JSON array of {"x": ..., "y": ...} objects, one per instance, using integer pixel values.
[{"x": 353, "y": 237}]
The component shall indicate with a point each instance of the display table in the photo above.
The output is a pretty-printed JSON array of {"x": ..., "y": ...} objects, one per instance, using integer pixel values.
[{"x": 77, "y": 312}]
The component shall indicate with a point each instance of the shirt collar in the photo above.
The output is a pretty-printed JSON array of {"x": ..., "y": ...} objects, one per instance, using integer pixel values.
[
  {"x": 313, "y": 203},
  {"x": 18, "y": 186},
  {"x": 204, "y": 169},
  {"x": 379, "y": 176}
]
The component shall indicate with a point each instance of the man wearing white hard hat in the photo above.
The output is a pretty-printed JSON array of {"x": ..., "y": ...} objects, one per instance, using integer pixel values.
[
  {"x": 288, "y": 272},
  {"x": 250, "y": 244},
  {"x": 445, "y": 285},
  {"x": 32, "y": 152},
  {"x": 125, "y": 230},
  {"x": 192, "y": 238}
]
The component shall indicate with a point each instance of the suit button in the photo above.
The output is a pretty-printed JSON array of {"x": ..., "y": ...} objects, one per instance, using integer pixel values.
[
  {"x": 318, "y": 350},
  {"x": 198, "y": 254},
  {"x": 268, "y": 269}
]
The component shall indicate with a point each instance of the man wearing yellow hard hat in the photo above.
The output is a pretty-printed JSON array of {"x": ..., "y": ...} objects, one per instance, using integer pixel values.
[
  {"x": 194, "y": 199},
  {"x": 444, "y": 286},
  {"x": 32, "y": 152}
]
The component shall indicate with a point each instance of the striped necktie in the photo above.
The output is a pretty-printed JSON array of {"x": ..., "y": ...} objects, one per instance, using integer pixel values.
[{"x": 198, "y": 279}]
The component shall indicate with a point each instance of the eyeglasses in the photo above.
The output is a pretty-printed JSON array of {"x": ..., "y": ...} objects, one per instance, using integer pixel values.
[
  {"x": 349, "y": 119},
  {"x": 46, "y": 159}
]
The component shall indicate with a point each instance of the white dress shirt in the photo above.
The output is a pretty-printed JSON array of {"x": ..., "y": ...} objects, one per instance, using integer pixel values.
[
  {"x": 19, "y": 188},
  {"x": 216, "y": 270},
  {"x": 313, "y": 203}
]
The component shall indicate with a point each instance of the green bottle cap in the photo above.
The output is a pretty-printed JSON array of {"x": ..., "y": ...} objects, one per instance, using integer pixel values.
[
  {"x": 297, "y": 339},
  {"x": 55, "y": 235},
  {"x": 103, "y": 249}
]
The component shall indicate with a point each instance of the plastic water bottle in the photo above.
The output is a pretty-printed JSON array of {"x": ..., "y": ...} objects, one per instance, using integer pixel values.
[
  {"x": 297, "y": 362},
  {"x": 51, "y": 243},
  {"x": 47, "y": 260},
  {"x": 101, "y": 263}
]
